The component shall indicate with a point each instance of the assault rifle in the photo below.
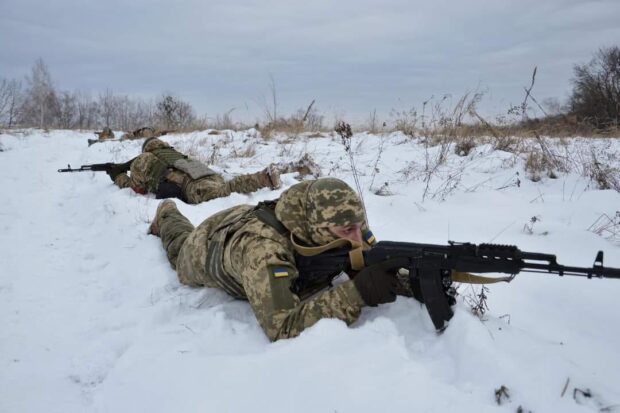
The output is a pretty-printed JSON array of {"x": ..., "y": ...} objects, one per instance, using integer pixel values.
[
  {"x": 93, "y": 141},
  {"x": 96, "y": 167},
  {"x": 433, "y": 268},
  {"x": 100, "y": 167}
]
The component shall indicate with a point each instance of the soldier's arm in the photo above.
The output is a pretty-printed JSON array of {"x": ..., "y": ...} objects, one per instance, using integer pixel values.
[
  {"x": 138, "y": 178},
  {"x": 123, "y": 180},
  {"x": 267, "y": 270}
]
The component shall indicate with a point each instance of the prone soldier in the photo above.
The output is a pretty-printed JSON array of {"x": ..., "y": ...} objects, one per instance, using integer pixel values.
[
  {"x": 105, "y": 134},
  {"x": 249, "y": 252},
  {"x": 167, "y": 173}
]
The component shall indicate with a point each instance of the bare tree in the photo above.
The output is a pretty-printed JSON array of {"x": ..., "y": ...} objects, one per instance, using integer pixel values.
[
  {"x": 86, "y": 110},
  {"x": 4, "y": 98},
  {"x": 144, "y": 114},
  {"x": 15, "y": 101},
  {"x": 106, "y": 108},
  {"x": 173, "y": 113},
  {"x": 40, "y": 105},
  {"x": 124, "y": 111},
  {"x": 596, "y": 89},
  {"x": 10, "y": 97},
  {"x": 67, "y": 110}
]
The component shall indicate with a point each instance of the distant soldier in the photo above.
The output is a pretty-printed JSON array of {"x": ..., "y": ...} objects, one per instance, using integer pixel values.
[
  {"x": 145, "y": 132},
  {"x": 249, "y": 252},
  {"x": 105, "y": 134},
  {"x": 167, "y": 173}
]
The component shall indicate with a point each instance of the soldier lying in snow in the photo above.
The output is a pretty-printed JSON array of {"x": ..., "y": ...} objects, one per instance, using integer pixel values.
[
  {"x": 105, "y": 134},
  {"x": 108, "y": 135},
  {"x": 167, "y": 173},
  {"x": 249, "y": 252},
  {"x": 145, "y": 132}
]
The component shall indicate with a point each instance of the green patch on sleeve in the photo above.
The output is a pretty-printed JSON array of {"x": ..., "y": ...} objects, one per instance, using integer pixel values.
[{"x": 280, "y": 283}]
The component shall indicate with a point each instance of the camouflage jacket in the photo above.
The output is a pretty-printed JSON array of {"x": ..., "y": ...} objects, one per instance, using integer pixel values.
[
  {"x": 160, "y": 160},
  {"x": 257, "y": 263}
]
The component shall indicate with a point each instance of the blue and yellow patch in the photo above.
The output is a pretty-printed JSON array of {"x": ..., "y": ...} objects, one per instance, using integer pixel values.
[
  {"x": 369, "y": 238},
  {"x": 280, "y": 272}
]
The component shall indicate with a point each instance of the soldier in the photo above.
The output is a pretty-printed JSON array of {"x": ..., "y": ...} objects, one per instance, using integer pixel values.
[
  {"x": 249, "y": 252},
  {"x": 167, "y": 173},
  {"x": 105, "y": 134},
  {"x": 145, "y": 132}
]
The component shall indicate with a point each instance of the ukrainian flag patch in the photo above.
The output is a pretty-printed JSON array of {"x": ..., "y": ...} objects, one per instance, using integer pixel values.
[
  {"x": 280, "y": 272},
  {"x": 369, "y": 238}
]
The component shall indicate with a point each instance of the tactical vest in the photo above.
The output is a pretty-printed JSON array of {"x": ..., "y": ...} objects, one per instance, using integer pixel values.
[
  {"x": 264, "y": 211},
  {"x": 215, "y": 250},
  {"x": 170, "y": 158}
]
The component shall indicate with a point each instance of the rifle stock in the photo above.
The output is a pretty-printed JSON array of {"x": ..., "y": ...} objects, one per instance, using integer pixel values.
[{"x": 431, "y": 268}]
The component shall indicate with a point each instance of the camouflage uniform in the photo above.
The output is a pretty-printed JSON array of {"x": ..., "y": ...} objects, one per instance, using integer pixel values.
[
  {"x": 198, "y": 184},
  {"x": 106, "y": 133},
  {"x": 239, "y": 253},
  {"x": 145, "y": 132}
]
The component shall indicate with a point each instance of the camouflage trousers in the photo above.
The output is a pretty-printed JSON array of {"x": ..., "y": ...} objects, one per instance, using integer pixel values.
[{"x": 214, "y": 186}]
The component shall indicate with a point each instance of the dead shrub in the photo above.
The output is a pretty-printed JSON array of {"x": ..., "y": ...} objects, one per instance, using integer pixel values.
[
  {"x": 405, "y": 121},
  {"x": 535, "y": 165},
  {"x": 290, "y": 127},
  {"x": 605, "y": 176},
  {"x": 246, "y": 151},
  {"x": 464, "y": 146},
  {"x": 607, "y": 227}
]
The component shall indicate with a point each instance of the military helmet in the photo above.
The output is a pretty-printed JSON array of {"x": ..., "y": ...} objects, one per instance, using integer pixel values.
[
  {"x": 153, "y": 143},
  {"x": 309, "y": 208}
]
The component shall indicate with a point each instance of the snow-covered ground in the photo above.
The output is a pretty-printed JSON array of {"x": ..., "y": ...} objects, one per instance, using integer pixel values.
[{"x": 93, "y": 318}]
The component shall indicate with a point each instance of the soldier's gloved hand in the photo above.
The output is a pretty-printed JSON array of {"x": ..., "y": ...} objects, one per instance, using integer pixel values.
[
  {"x": 378, "y": 284},
  {"x": 116, "y": 170}
]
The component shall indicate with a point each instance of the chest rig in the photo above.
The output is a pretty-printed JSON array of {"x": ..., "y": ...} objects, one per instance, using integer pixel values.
[{"x": 169, "y": 158}]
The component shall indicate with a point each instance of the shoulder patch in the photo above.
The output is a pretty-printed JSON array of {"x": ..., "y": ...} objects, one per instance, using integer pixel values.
[
  {"x": 370, "y": 238},
  {"x": 279, "y": 271}
]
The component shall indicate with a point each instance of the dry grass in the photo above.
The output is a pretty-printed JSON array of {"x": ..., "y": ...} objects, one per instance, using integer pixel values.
[{"x": 291, "y": 127}]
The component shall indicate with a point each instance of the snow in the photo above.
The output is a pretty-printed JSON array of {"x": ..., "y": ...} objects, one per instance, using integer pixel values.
[{"x": 94, "y": 320}]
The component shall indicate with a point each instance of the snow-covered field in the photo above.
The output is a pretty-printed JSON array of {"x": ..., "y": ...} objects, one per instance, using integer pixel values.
[{"x": 93, "y": 318}]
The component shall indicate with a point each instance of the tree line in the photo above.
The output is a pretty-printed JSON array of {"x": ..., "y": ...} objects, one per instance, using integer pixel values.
[{"x": 36, "y": 102}]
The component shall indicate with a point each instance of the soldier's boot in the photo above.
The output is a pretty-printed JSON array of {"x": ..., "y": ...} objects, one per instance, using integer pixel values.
[
  {"x": 304, "y": 166},
  {"x": 165, "y": 205},
  {"x": 269, "y": 177}
]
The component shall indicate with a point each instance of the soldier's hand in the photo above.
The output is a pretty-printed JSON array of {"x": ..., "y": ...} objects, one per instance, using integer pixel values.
[
  {"x": 116, "y": 170},
  {"x": 378, "y": 284}
]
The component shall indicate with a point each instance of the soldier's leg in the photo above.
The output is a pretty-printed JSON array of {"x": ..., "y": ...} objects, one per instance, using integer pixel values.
[
  {"x": 244, "y": 184},
  {"x": 205, "y": 189},
  {"x": 181, "y": 242},
  {"x": 172, "y": 227}
]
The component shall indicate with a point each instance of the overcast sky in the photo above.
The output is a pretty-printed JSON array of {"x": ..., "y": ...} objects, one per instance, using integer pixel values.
[{"x": 351, "y": 56}]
